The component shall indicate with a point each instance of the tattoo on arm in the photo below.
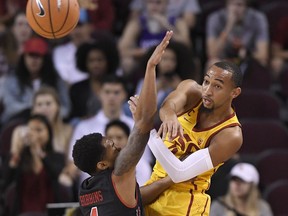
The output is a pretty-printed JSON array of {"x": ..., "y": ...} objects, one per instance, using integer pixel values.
[{"x": 131, "y": 154}]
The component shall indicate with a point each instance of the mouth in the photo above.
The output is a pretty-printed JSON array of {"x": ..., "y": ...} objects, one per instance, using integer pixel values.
[{"x": 206, "y": 101}]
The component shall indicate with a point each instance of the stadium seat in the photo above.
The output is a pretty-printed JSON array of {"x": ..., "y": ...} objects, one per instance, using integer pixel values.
[
  {"x": 274, "y": 11},
  {"x": 263, "y": 135},
  {"x": 257, "y": 104},
  {"x": 270, "y": 165},
  {"x": 276, "y": 195},
  {"x": 255, "y": 76}
]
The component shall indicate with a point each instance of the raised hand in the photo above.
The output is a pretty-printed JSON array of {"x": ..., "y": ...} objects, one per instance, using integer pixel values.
[
  {"x": 170, "y": 128},
  {"x": 133, "y": 102},
  {"x": 160, "y": 49}
]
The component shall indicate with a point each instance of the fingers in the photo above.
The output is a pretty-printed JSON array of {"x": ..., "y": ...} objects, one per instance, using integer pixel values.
[
  {"x": 170, "y": 130},
  {"x": 133, "y": 102},
  {"x": 166, "y": 40}
]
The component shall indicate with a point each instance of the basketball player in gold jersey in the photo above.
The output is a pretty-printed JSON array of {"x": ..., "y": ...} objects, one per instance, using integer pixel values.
[{"x": 200, "y": 127}]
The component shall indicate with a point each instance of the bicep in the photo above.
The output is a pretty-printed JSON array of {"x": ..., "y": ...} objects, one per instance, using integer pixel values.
[{"x": 228, "y": 141}]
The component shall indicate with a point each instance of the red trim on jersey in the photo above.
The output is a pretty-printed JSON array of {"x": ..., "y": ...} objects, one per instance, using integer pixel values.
[
  {"x": 209, "y": 128},
  {"x": 190, "y": 110},
  {"x": 205, "y": 206},
  {"x": 227, "y": 126},
  {"x": 190, "y": 203},
  {"x": 119, "y": 197}
]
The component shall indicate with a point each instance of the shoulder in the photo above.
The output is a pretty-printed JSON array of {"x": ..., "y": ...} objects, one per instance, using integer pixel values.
[
  {"x": 230, "y": 135},
  {"x": 190, "y": 87},
  {"x": 216, "y": 15},
  {"x": 256, "y": 15},
  {"x": 264, "y": 206}
]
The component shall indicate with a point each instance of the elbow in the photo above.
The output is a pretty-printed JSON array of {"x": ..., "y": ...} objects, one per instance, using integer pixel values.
[{"x": 176, "y": 178}]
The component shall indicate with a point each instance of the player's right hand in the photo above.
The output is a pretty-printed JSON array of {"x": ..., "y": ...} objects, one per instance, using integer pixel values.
[{"x": 170, "y": 128}]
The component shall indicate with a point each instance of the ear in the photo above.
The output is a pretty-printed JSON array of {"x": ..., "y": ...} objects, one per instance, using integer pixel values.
[
  {"x": 236, "y": 92},
  {"x": 102, "y": 165}
]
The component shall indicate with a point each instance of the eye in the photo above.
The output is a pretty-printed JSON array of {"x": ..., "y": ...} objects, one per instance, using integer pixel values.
[{"x": 205, "y": 82}]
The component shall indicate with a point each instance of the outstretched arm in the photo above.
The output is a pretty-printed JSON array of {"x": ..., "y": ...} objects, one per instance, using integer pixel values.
[
  {"x": 228, "y": 141},
  {"x": 144, "y": 115}
]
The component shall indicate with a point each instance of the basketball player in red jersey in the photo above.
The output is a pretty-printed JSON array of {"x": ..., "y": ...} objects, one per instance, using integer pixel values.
[
  {"x": 112, "y": 189},
  {"x": 198, "y": 121}
]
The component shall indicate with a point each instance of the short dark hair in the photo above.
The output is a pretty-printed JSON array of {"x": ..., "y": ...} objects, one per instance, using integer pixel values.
[
  {"x": 120, "y": 124},
  {"x": 114, "y": 79},
  {"x": 88, "y": 151},
  {"x": 237, "y": 75}
]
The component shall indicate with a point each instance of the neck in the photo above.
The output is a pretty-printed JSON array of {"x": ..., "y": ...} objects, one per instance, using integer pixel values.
[
  {"x": 217, "y": 114},
  {"x": 112, "y": 114}
]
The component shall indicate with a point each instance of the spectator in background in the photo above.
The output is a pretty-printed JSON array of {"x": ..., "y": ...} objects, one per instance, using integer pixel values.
[
  {"x": 118, "y": 131},
  {"x": 97, "y": 59},
  {"x": 176, "y": 65},
  {"x": 34, "y": 69},
  {"x": 46, "y": 102},
  {"x": 147, "y": 30},
  {"x": 35, "y": 170},
  {"x": 13, "y": 40},
  {"x": 279, "y": 61},
  {"x": 8, "y": 9},
  {"x": 237, "y": 32},
  {"x": 243, "y": 196},
  {"x": 64, "y": 54},
  {"x": 112, "y": 96},
  {"x": 99, "y": 13},
  {"x": 186, "y": 9}
]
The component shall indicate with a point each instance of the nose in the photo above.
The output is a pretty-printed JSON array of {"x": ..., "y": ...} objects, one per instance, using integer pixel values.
[{"x": 208, "y": 90}]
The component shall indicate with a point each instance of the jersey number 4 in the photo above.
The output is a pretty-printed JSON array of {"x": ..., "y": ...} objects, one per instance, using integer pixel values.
[{"x": 94, "y": 211}]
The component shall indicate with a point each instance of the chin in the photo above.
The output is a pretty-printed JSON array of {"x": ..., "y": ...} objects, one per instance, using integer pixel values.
[{"x": 206, "y": 109}]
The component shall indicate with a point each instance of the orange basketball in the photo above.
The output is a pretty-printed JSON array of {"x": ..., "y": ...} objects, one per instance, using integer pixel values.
[{"x": 52, "y": 18}]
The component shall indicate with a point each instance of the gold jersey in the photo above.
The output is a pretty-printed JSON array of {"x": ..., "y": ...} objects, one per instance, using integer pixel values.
[{"x": 193, "y": 140}]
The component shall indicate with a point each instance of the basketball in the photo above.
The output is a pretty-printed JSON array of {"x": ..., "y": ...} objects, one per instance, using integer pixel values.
[{"x": 52, "y": 18}]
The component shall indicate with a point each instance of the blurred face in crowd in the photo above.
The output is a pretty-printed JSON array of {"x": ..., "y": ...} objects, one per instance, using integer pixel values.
[
  {"x": 34, "y": 63},
  {"x": 46, "y": 104},
  {"x": 21, "y": 29},
  {"x": 168, "y": 62},
  {"x": 118, "y": 135},
  {"x": 239, "y": 188},
  {"x": 156, "y": 6},
  {"x": 112, "y": 96},
  {"x": 38, "y": 133},
  {"x": 96, "y": 63},
  {"x": 80, "y": 34},
  {"x": 237, "y": 7}
]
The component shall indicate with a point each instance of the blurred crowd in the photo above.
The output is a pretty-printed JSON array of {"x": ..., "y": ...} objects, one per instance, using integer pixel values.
[{"x": 52, "y": 92}]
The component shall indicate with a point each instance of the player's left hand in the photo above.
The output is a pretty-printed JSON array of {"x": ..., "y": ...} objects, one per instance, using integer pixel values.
[
  {"x": 160, "y": 49},
  {"x": 133, "y": 102}
]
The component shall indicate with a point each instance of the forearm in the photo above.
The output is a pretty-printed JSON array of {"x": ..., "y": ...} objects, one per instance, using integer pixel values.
[
  {"x": 131, "y": 154},
  {"x": 279, "y": 52},
  {"x": 151, "y": 192},
  {"x": 147, "y": 104},
  {"x": 179, "y": 171},
  {"x": 168, "y": 109}
]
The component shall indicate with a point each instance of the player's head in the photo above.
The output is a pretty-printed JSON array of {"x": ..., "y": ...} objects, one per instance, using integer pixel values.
[
  {"x": 117, "y": 131},
  {"x": 222, "y": 83},
  {"x": 93, "y": 153}
]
